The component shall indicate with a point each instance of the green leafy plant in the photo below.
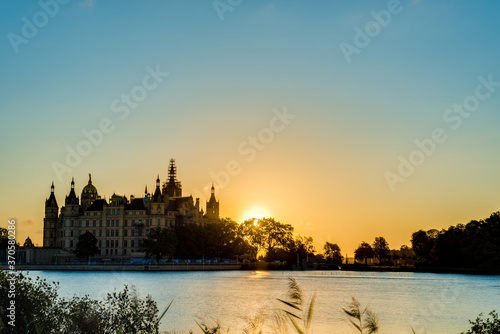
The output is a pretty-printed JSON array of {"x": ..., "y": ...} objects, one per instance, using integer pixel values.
[{"x": 485, "y": 326}]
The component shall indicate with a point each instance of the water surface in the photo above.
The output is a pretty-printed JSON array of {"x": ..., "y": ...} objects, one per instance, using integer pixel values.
[{"x": 430, "y": 303}]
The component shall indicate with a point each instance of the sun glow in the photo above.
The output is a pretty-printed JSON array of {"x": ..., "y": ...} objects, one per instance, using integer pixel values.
[{"x": 256, "y": 212}]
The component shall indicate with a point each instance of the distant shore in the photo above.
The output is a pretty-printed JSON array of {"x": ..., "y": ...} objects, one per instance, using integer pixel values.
[{"x": 246, "y": 266}]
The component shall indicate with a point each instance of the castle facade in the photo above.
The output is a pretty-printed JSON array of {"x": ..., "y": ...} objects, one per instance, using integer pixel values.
[{"x": 121, "y": 224}]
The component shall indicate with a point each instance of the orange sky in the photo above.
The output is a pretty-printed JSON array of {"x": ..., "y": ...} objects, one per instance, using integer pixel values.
[{"x": 264, "y": 102}]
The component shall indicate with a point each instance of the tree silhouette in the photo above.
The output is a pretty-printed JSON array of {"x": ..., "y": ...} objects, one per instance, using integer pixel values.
[
  {"x": 160, "y": 242},
  {"x": 28, "y": 243},
  {"x": 267, "y": 234},
  {"x": 381, "y": 248},
  {"x": 422, "y": 245},
  {"x": 332, "y": 253},
  {"x": 86, "y": 246},
  {"x": 364, "y": 252}
]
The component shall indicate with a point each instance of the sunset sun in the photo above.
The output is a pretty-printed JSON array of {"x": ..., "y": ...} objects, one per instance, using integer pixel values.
[{"x": 256, "y": 212}]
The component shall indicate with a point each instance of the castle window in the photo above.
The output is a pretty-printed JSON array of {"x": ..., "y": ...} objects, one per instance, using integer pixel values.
[
  {"x": 117, "y": 222},
  {"x": 112, "y": 233},
  {"x": 113, "y": 211},
  {"x": 109, "y": 212},
  {"x": 124, "y": 251},
  {"x": 106, "y": 252},
  {"x": 117, "y": 233},
  {"x": 117, "y": 212},
  {"x": 107, "y": 222},
  {"x": 100, "y": 233},
  {"x": 100, "y": 223},
  {"x": 94, "y": 224},
  {"x": 132, "y": 243},
  {"x": 107, "y": 245},
  {"x": 71, "y": 233},
  {"x": 125, "y": 243},
  {"x": 107, "y": 233},
  {"x": 125, "y": 222},
  {"x": 71, "y": 244},
  {"x": 79, "y": 233},
  {"x": 124, "y": 233}
]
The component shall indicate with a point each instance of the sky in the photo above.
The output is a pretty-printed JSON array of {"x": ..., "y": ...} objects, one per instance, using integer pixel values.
[{"x": 348, "y": 120}]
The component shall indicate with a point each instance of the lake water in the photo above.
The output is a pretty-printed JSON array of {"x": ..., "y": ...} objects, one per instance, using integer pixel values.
[{"x": 430, "y": 303}]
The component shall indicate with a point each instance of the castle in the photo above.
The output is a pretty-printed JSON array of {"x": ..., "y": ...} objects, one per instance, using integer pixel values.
[{"x": 121, "y": 224}]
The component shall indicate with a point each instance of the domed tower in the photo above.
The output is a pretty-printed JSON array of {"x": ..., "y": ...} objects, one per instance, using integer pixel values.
[
  {"x": 213, "y": 206},
  {"x": 89, "y": 194},
  {"x": 50, "y": 220}
]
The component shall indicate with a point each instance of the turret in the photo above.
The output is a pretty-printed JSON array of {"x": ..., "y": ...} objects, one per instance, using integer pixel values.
[{"x": 213, "y": 206}]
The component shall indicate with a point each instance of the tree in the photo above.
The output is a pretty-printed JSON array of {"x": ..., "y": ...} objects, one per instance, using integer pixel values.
[
  {"x": 332, "y": 253},
  {"x": 86, "y": 246},
  {"x": 422, "y": 245},
  {"x": 224, "y": 239},
  {"x": 4, "y": 242},
  {"x": 267, "y": 234},
  {"x": 381, "y": 248},
  {"x": 364, "y": 251},
  {"x": 28, "y": 243},
  {"x": 160, "y": 242}
]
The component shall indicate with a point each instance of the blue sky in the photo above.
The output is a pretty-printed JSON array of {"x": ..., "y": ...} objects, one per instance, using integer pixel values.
[{"x": 324, "y": 173}]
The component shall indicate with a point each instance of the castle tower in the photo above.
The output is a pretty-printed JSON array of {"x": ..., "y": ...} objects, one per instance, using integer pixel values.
[
  {"x": 213, "y": 206},
  {"x": 157, "y": 196},
  {"x": 173, "y": 187},
  {"x": 89, "y": 194},
  {"x": 50, "y": 220}
]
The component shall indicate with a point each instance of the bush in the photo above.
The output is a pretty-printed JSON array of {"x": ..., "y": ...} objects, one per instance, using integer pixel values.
[
  {"x": 39, "y": 309},
  {"x": 485, "y": 326}
]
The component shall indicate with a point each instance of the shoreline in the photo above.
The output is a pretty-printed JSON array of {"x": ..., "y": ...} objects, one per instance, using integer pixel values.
[{"x": 251, "y": 266}]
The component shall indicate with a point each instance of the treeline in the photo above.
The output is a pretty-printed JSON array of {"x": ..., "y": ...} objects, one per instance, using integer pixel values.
[
  {"x": 266, "y": 239},
  {"x": 475, "y": 245}
]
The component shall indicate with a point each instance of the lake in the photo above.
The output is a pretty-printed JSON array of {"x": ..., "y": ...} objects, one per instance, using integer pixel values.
[{"x": 430, "y": 303}]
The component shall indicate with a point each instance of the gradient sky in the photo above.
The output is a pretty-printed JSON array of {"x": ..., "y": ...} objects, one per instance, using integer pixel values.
[{"x": 323, "y": 173}]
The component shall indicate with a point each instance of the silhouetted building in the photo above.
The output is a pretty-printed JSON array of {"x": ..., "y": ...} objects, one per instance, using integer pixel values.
[
  {"x": 121, "y": 224},
  {"x": 212, "y": 206}
]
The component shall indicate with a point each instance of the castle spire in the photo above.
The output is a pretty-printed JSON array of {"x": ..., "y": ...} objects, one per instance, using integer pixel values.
[{"x": 52, "y": 188}]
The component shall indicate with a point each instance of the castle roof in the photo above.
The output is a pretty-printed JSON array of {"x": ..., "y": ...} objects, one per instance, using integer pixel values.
[
  {"x": 97, "y": 205},
  {"x": 136, "y": 204}
]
